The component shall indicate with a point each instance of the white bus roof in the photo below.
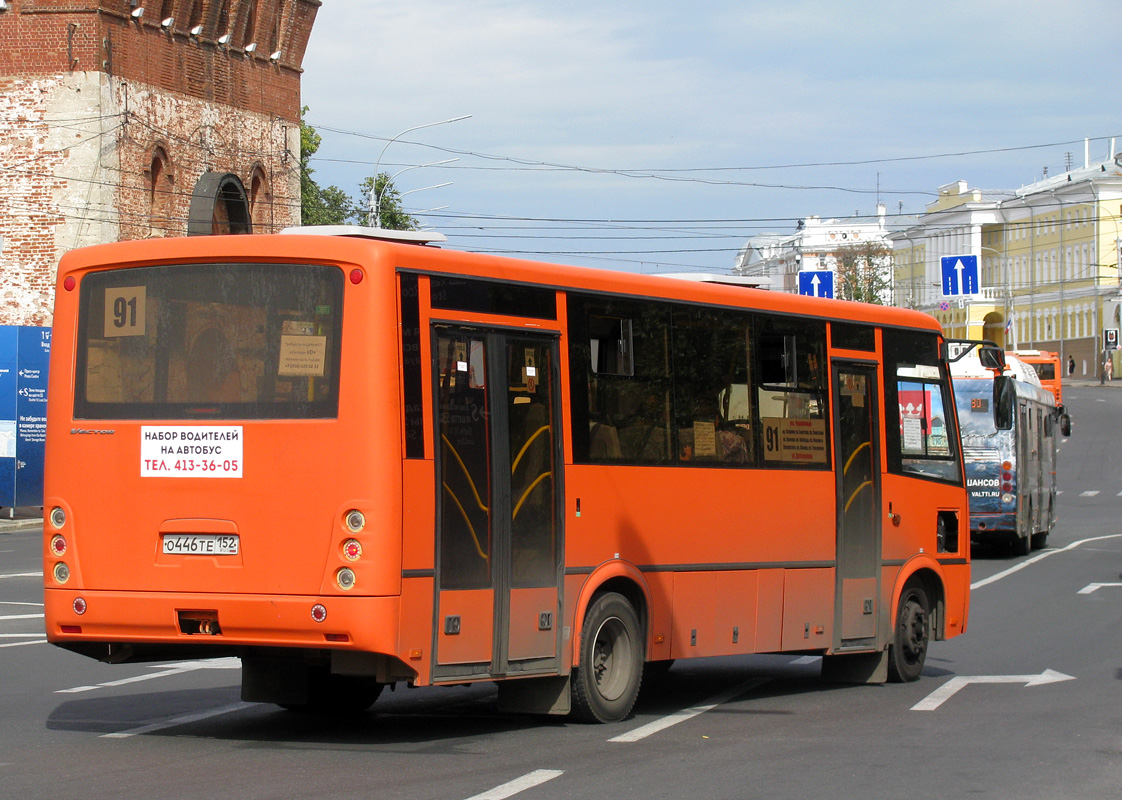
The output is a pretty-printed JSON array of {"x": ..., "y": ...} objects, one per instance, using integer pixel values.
[{"x": 365, "y": 232}]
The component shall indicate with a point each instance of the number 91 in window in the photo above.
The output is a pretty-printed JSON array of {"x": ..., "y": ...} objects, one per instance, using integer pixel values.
[{"x": 124, "y": 311}]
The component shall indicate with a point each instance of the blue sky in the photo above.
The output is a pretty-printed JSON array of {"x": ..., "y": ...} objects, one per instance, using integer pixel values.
[{"x": 658, "y": 136}]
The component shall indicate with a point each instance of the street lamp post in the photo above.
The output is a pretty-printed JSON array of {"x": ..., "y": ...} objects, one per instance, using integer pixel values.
[
  {"x": 378, "y": 163},
  {"x": 376, "y": 193}
]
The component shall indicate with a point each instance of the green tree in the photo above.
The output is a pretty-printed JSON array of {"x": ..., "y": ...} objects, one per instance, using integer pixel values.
[
  {"x": 382, "y": 193},
  {"x": 333, "y": 206},
  {"x": 864, "y": 273}
]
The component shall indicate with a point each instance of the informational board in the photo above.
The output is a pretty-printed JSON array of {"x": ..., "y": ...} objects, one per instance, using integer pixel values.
[{"x": 24, "y": 356}]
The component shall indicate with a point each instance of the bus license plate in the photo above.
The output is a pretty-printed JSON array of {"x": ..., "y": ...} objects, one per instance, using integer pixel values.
[{"x": 200, "y": 544}]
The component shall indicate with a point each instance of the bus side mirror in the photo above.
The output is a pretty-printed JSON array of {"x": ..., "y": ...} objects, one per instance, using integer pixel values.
[
  {"x": 1003, "y": 402},
  {"x": 992, "y": 357},
  {"x": 1065, "y": 424}
]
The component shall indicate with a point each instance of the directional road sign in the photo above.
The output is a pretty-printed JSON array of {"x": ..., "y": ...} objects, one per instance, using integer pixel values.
[
  {"x": 817, "y": 283},
  {"x": 960, "y": 275}
]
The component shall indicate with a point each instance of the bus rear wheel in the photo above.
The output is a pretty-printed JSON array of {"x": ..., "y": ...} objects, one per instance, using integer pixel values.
[
  {"x": 908, "y": 649},
  {"x": 606, "y": 684}
]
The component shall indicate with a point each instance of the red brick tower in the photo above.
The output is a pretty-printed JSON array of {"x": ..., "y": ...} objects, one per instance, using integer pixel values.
[{"x": 115, "y": 113}]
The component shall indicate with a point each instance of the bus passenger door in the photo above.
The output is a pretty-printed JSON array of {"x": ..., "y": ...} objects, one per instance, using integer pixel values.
[
  {"x": 857, "y": 453},
  {"x": 498, "y": 545}
]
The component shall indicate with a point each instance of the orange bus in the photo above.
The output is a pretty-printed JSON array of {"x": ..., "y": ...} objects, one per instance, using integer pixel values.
[
  {"x": 1048, "y": 368},
  {"x": 352, "y": 462}
]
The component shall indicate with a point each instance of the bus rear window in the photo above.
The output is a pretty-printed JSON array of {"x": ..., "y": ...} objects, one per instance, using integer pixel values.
[{"x": 231, "y": 341}]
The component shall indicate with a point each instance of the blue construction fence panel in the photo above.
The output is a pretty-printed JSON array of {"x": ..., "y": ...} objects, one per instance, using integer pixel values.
[{"x": 24, "y": 357}]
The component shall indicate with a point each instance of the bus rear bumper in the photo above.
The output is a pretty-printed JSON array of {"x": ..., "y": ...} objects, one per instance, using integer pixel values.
[
  {"x": 146, "y": 626},
  {"x": 982, "y": 525}
]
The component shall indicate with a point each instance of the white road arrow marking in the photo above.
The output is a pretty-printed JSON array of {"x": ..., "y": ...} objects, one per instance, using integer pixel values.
[
  {"x": 951, "y": 687},
  {"x": 1091, "y": 587}
]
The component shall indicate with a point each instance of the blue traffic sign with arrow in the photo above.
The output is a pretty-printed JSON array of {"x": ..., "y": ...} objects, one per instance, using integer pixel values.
[
  {"x": 960, "y": 275},
  {"x": 817, "y": 283}
]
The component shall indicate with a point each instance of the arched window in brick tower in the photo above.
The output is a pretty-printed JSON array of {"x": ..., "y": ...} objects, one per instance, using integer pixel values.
[
  {"x": 260, "y": 200},
  {"x": 161, "y": 201}
]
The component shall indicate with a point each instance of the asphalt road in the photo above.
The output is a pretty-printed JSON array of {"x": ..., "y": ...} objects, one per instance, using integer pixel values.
[{"x": 1025, "y": 705}]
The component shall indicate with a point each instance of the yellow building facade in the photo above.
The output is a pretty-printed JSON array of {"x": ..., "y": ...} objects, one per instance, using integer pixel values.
[{"x": 1047, "y": 263}]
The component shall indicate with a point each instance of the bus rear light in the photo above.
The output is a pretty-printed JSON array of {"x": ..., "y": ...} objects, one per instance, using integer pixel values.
[
  {"x": 1008, "y": 499},
  {"x": 58, "y": 545},
  {"x": 79, "y": 606},
  {"x": 356, "y": 276},
  {"x": 70, "y": 628},
  {"x": 336, "y": 637},
  {"x": 68, "y": 283},
  {"x": 319, "y": 612},
  {"x": 61, "y": 572},
  {"x": 58, "y": 518},
  {"x": 352, "y": 550},
  {"x": 1007, "y": 466},
  {"x": 355, "y": 521},
  {"x": 345, "y": 577},
  {"x": 1007, "y": 487}
]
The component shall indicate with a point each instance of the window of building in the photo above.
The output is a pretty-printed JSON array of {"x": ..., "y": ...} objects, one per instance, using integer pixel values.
[
  {"x": 161, "y": 183},
  {"x": 260, "y": 200}
]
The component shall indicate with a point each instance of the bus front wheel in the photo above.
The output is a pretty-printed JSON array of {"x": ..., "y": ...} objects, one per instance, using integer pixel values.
[
  {"x": 908, "y": 649},
  {"x": 606, "y": 684}
]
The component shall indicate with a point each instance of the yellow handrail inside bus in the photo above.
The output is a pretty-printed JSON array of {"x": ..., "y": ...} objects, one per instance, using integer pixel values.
[
  {"x": 467, "y": 474},
  {"x": 856, "y": 492},
  {"x": 531, "y": 488},
  {"x": 860, "y": 447},
  {"x": 471, "y": 528},
  {"x": 526, "y": 447}
]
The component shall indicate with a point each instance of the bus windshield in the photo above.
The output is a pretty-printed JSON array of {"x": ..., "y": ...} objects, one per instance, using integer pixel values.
[{"x": 209, "y": 341}]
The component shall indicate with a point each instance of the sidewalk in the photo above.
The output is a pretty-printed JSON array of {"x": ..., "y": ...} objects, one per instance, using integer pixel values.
[{"x": 20, "y": 519}]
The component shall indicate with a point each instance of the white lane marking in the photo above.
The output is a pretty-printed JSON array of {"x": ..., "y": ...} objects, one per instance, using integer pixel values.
[
  {"x": 23, "y": 575},
  {"x": 650, "y": 728},
  {"x": 178, "y": 669},
  {"x": 807, "y": 660},
  {"x": 21, "y": 616},
  {"x": 527, "y": 781},
  {"x": 24, "y": 644},
  {"x": 18, "y": 603},
  {"x": 1091, "y": 587},
  {"x": 951, "y": 687},
  {"x": 38, "y": 634},
  {"x": 1089, "y": 493},
  {"x": 174, "y": 721},
  {"x": 1044, "y": 554}
]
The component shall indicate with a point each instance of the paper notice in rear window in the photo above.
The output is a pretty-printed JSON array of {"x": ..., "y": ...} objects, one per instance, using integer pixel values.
[
  {"x": 302, "y": 355},
  {"x": 191, "y": 451}
]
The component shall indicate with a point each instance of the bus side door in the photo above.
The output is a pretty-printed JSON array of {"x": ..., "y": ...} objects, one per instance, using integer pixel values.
[
  {"x": 857, "y": 461},
  {"x": 499, "y": 544}
]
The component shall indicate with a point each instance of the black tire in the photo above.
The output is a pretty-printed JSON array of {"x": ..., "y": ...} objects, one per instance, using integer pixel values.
[
  {"x": 337, "y": 695},
  {"x": 908, "y": 649},
  {"x": 606, "y": 683}
]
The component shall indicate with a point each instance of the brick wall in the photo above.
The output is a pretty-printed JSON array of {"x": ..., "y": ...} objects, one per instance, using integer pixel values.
[{"x": 107, "y": 121}]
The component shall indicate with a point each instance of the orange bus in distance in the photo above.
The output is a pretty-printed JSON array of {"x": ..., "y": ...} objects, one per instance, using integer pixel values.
[
  {"x": 352, "y": 461},
  {"x": 1048, "y": 368}
]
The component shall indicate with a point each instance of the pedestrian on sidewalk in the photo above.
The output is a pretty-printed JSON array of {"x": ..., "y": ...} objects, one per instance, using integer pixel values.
[{"x": 1070, "y": 366}]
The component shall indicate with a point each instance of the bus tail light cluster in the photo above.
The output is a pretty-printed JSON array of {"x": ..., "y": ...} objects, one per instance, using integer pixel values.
[
  {"x": 354, "y": 521},
  {"x": 58, "y": 546}
]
